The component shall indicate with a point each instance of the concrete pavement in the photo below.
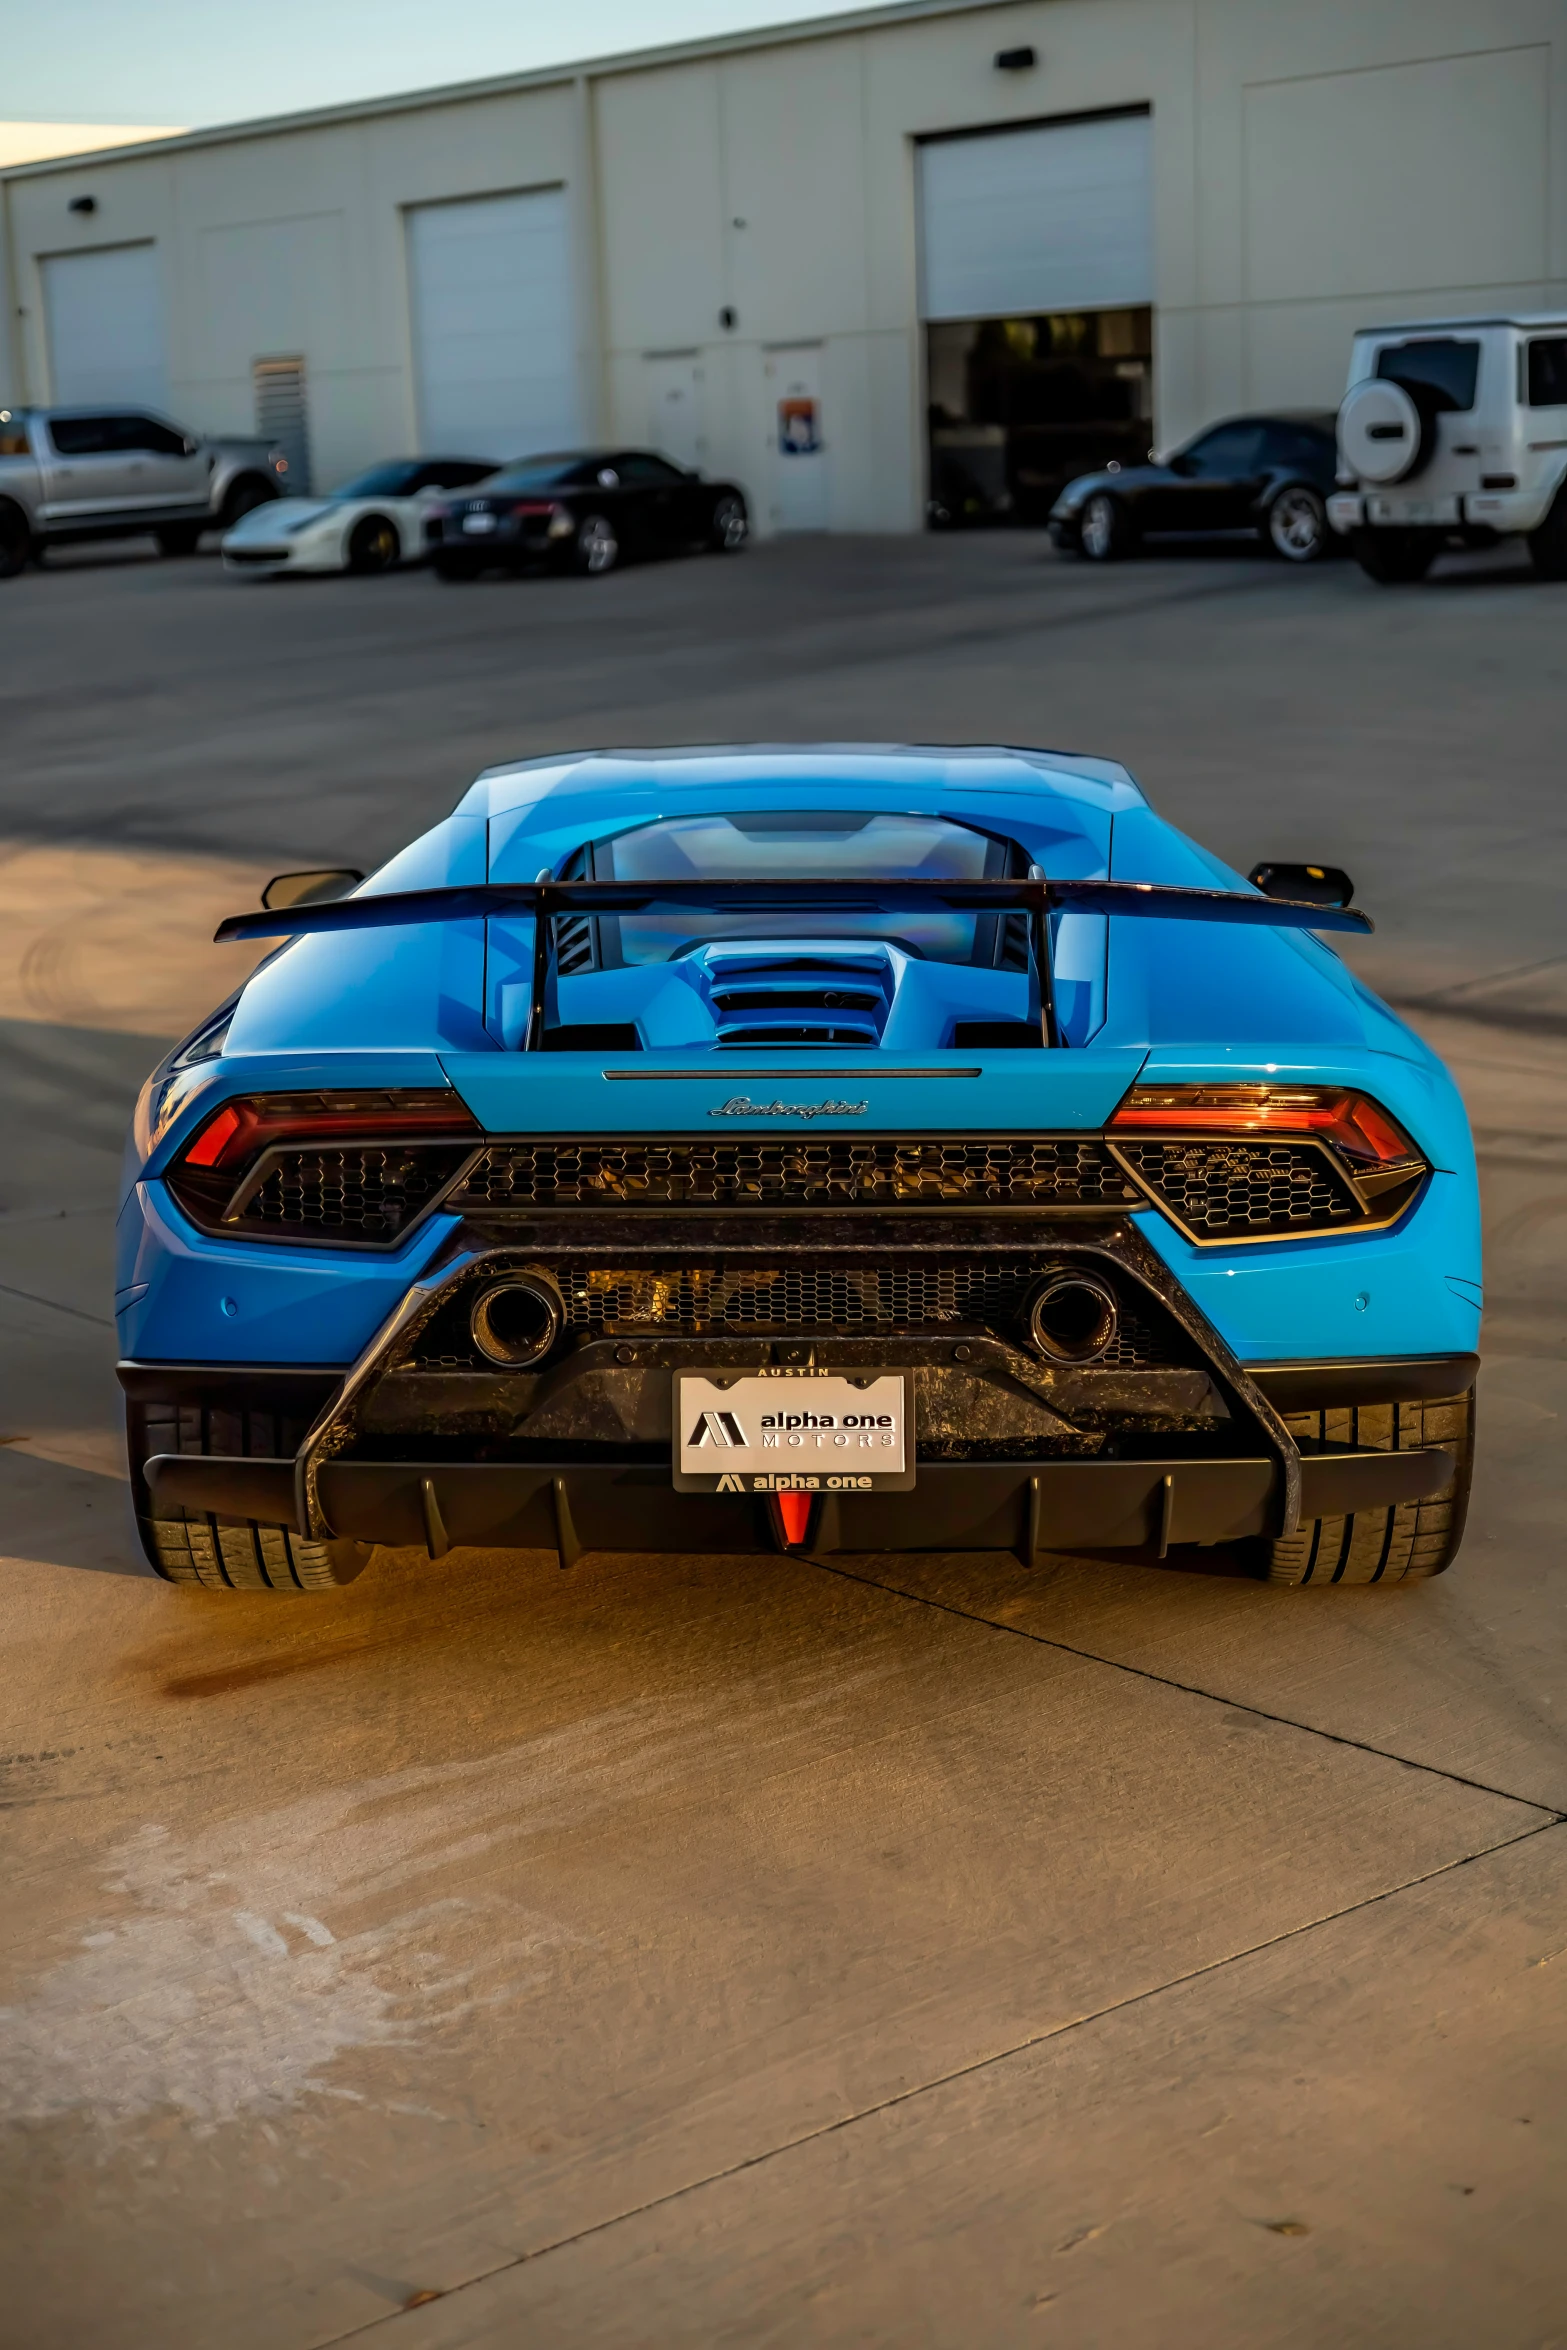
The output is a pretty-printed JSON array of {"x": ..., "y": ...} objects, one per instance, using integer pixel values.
[{"x": 667, "y": 1952}]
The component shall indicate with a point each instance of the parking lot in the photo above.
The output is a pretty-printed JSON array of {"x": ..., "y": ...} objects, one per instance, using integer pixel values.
[{"x": 910, "y": 1950}]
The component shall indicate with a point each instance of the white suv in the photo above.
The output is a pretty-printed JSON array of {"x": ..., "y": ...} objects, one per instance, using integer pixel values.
[{"x": 1453, "y": 433}]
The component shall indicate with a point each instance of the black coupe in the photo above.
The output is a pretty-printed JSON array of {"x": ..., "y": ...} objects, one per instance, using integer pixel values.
[
  {"x": 1267, "y": 474},
  {"x": 582, "y": 511}
]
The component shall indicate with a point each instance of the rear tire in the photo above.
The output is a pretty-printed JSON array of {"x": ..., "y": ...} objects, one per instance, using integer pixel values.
[
  {"x": 1408, "y": 1543},
  {"x": 228, "y": 1554},
  {"x": 597, "y": 548},
  {"x": 1548, "y": 544},
  {"x": 729, "y": 528},
  {"x": 1393, "y": 558},
  {"x": 244, "y": 496},
  {"x": 1296, "y": 525},
  {"x": 374, "y": 545},
  {"x": 179, "y": 538},
  {"x": 451, "y": 567},
  {"x": 1104, "y": 530},
  {"x": 239, "y": 1555},
  {"x": 16, "y": 540}
]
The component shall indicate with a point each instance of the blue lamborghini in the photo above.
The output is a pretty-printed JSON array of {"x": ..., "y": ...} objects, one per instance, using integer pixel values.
[{"x": 839, "y": 1147}]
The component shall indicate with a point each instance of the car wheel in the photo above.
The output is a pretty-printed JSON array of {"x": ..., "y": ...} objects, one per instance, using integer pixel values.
[
  {"x": 1548, "y": 544},
  {"x": 228, "y": 1554},
  {"x": 1297, "y": 525},
  {"x": 596, "y": 548},
  {"x": 1405, "y": 1544},
  {"x": 373, "y": 545},
  {"x": 179, "y": 538},
  {"x": 244, "y": 496},
  {"x": 730, "y": 526},
  {"x": 450, "y": 567},
  {"x": 1393, "y": 557},
  {"x": 16, "y": 540},
  {"x": 1104, "y": 533}
]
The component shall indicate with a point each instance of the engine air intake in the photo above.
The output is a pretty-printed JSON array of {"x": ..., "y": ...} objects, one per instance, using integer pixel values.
[{"x": 819, "y": 1171}]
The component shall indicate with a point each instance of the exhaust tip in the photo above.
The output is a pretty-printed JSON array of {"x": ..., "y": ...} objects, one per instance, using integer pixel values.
[
  {"x": 515, "y": 1322},
  {"x": 1073, "y": 1317}
]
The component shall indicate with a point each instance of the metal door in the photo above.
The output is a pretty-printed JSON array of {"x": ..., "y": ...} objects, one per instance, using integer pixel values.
[
  {"x": 676, "y": 384},
  {"x": 799, "y": 451},
  {"x": 86, "y": 469},
  {"x": 166, "y": 470}
]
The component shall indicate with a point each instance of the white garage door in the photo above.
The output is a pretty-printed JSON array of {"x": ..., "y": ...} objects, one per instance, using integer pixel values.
[
  {"x": 494, "y": 346},
  {"x": 107, "y": 343},
  {"x": 1057, "y": 217}
]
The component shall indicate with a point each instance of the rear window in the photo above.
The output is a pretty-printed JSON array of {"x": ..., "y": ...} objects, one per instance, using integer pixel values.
[
  {"x": 82, "y": 436},
  {"x": 395, "y": 480},
  {"x": 802, "y": 844},
  {"x": 1443, "y": 370},
  {"x": 1548, "y": 372},
  {"x": 545, "y": 473}
]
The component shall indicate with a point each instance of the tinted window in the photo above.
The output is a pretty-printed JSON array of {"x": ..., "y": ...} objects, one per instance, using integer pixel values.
[
  {"x": 1299, "y": 449},
  {"x": 81, "y": 436},
  {"x": 546, "y": 473},
  {"x": 453, "y": 473},
  {"x": 397, "y": 480},
  {"x": 1548, "y": 372},
  {"x": 1228, "y": 450},
  {"x": 1444, "y": 370},
  {"x": 834, "y": 844},
  {"x": 145, "y": 432},
  {"x": 638, "y": 467},
  {"x": 13, "y": 437}
]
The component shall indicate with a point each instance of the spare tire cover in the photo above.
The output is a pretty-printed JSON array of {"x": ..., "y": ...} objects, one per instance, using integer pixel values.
[{"x": 1381, "y": 433}]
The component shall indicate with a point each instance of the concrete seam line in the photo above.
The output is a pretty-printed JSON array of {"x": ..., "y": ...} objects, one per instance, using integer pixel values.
[
  {"x": 98, "y": 1321},
  {"x": 962, "y": 2072},
  {"x": 1190, "y": 1689}
]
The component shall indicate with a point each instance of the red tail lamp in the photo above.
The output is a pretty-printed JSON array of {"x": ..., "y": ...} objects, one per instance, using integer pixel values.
[
  {"x": 794, "y": 1515},
  {"x": 1359, "y": 1128},
  {"x": 238, "y": 1132}
]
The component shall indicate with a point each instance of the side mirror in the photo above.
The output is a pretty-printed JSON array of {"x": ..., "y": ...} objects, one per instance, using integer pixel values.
[
  {"x": 190, "y": 447},
  {"x": 308, "y": 889},
  {"x": 1308, "y": 885}
]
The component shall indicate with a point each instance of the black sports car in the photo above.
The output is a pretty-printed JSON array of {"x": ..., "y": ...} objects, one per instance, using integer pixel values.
[
  {"x": 1268, "y": 474},
  {"x": 581, "y": 510}
]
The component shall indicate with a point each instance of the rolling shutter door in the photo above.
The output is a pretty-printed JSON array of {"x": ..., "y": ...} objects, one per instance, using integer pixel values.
[
  {"x": 104, "y": 314},
  {"x": 494, "y": 344},
  {"x": 1016, "y": 224}
]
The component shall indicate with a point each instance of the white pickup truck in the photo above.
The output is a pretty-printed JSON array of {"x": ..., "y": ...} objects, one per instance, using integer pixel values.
[
  {"x": 97, "y": 473},
  {"x": 1453, "y": 433}
]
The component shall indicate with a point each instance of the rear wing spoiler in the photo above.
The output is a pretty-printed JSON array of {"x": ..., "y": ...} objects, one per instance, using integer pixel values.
[{"x": 1036, "y": 896}]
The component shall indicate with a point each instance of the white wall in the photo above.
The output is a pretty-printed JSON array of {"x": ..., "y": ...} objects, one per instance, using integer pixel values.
[{"x": 1313, "y": 167}]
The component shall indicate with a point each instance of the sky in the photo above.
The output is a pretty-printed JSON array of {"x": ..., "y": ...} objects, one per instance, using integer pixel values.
[{"x": 206, "y": 61}]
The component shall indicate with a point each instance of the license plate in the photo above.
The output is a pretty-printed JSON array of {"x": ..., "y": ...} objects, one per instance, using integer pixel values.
[
  {"x": 793, "y": 1432},
  {"x": 1414, "y": 509},
  {"x": 478, "y": 523}
]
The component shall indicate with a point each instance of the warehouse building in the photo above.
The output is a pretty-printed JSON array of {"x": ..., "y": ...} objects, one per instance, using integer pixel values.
[{"x": 934, "y": 252}]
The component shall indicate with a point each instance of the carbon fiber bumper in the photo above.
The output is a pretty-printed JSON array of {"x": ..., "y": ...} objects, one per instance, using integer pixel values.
[{"x": 1021, "y": 1506}]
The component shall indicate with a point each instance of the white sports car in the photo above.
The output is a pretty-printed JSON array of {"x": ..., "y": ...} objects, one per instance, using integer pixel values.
[{"x": 372, "y": 523}]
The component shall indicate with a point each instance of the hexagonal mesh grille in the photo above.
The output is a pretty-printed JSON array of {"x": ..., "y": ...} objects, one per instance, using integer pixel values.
[
  {"x": 358, "y": 1192},
  {"x": 1223, "y": 1190},
  {"x": 891, "y": 1294},
  {"x": 784, "y": 1171}
]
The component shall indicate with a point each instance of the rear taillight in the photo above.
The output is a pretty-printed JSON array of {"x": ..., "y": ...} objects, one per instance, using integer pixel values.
[
  {"x": 315, "y": 1165},
  {"x": 1264, "y": 1162},
  {"x": 1352, "y": 1122}
]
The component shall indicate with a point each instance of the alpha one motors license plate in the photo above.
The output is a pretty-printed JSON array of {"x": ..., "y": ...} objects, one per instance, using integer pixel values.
[{"x": 792, "y": 1432}]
